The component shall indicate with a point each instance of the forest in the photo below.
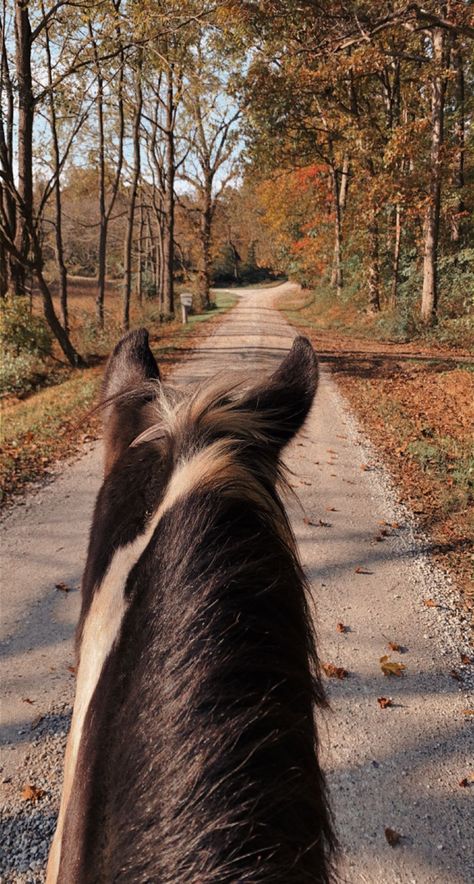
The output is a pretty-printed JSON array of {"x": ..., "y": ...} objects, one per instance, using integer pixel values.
[{"x": 152, "y": 147}]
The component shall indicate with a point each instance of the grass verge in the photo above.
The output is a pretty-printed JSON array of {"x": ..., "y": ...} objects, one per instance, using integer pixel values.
[
  {"x": 53, "y": 423},
  {"x": 320, "y": 309},
  {"x": 416, "y": 404}
]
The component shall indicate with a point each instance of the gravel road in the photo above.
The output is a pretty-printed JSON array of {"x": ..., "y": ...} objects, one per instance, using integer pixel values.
[{"x": 398, "y": 767}]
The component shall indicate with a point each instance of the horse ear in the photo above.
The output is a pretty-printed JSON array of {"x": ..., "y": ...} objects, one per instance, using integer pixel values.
[
  {"x": 130, "y": 366},
  {"x": 287, "y": 396}
]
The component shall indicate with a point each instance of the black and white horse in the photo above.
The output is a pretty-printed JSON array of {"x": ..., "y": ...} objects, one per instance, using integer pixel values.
[{"x": 193, "y": 753}]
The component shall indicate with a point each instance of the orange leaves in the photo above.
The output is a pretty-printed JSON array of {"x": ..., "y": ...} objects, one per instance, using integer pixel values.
[
  {"x": 430, "y": 603},
  {"x": 384, "y": 702},
  {"x": 333, "y": 671},
  {"x": 341, "y": 628},
  {"x": 31, "y": 793}
]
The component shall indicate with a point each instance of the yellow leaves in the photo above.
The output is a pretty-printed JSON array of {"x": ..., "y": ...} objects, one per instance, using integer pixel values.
[{"x": 389, "y": 667}]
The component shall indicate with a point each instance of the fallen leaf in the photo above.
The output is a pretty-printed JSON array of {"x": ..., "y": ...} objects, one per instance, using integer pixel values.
[
  {"x": 360, "y": 570},
  {"x": 392, "y": 836},
  {"x": 72, "y": 669},
  {"x": 379, "y": 538},
  {"x": 309, "y": 522},
  {"x": 27, "y": 700},
  {"x": 31, "y": 793},
  {"x": 455, "y": 674},
  {"x": 468, "y": 712},
  {"x": 331, "y": 509},
  {"x": 394, "y": 647},
  {"x": 388, "y": 667},
  {"x": 430, "y": 603},
  {"x": 324, "y": 524},
  {"x": 384, "y": 702},
  {"x": 63, "y": 587},
  {"x": 341, "y": 628},
  {"x": 333, "y": 671},
  {"x": 467, "y": 781},
  {"x": 395, "y": 525},
  {"x": 465, "y": 660}
]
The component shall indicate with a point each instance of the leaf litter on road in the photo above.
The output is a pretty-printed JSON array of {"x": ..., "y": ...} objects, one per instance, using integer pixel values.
[
  {"x": 31, "y": 793},
  {"x": 390, "y": 667},
  {"x": 333, "y": 671},
  {"x": 392, "y": 836},
  {"x": 384, "y": 702}
]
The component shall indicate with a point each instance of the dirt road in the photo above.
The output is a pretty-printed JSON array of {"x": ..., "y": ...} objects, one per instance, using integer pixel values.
[{"x": 398, "y": 767}]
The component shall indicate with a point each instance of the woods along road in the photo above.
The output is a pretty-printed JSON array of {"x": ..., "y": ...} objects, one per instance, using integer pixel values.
[{"x": 397, "y": 768}]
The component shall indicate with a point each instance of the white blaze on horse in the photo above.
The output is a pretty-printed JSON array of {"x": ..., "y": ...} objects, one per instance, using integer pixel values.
[{"x": 193, "y": 752}]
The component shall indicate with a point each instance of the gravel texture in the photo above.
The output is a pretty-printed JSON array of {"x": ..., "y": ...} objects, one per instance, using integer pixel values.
[
  {"x": 400, "y": 767},
  {"x": 26, "y": 827}
]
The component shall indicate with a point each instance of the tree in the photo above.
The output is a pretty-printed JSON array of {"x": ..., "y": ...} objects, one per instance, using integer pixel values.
[{"x": 212, "y": 147}]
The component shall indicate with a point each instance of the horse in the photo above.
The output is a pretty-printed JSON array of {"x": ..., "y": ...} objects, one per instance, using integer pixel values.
[{"x": 192, "y": 756}]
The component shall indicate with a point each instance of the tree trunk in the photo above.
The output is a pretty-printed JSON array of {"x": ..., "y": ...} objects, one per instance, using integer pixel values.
[
  {"x": 58, "y": 232},
  {"x": 429, "y": 298},
  {"x": 336, "y": 277},
  {"x": 139, "y": 285},
  {"x": 396, "y": 256},
  {"x": 8, "y": 209},
  {"x": 23, "y": 39},
  {"x": 127, "y": 283},
  {"x": 168, "y": 245},
  {"x": 104, "y": 210},
  {"x": 204, "y": 269},
  {"x": 457, "y": 225},
  {"x": 3, "y": 271},
  {"x": 374, "y": 265},
  {"x": 102, "y": 246},
  {"x": 59, "y": 332}
]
